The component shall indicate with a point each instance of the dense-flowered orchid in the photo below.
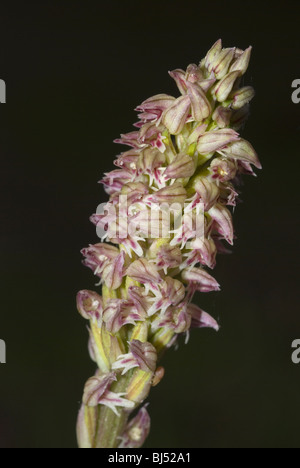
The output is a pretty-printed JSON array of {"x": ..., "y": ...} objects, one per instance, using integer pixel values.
[{"x": 168, "y": 216}]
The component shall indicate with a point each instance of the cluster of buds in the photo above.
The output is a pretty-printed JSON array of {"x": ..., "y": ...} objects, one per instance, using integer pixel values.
[{"x": 185, "y": 154}]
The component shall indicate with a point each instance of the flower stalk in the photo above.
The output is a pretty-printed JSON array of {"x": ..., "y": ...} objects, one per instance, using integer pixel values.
[{"x": 169, "y": 214}]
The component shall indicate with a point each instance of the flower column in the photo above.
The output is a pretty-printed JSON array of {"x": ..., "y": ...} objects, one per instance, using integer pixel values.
[{"x": 186, "y": 152}]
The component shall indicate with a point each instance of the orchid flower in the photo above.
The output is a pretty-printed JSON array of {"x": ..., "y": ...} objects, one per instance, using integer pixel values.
[{"x": 179, "y": 179}]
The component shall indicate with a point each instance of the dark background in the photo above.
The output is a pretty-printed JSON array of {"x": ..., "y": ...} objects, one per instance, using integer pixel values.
[{"x": 74, "y": 73}]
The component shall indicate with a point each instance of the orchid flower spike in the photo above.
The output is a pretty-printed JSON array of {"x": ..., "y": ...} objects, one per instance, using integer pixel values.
[{"x": 169, "y": 215}]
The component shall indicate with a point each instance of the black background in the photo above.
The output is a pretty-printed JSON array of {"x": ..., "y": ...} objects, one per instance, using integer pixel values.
[{"x": 74, "y": 73}]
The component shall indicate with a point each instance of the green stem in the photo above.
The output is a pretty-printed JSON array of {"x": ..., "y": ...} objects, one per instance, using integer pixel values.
[{"x": 109, "y": 425}]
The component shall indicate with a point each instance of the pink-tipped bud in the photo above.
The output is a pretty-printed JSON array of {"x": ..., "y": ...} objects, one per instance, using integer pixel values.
[
  {"x": 183, "y": 166},
  {"x": 242, "y": 150},
  {"x": 180, "y": 78},
  {"x": 224, "y": 87},
  {"x": 201, "y": 108},
  {"x": 175, "y": 117},
  {"x": 242, "y": 62},
  {"x": 211, "y": 55},
  {"x": 221, "y": 63},
  {"x": 242, "y": 97},
  {"x": 199, "y": 130},
  {"x": 175, "y": 193},
  {"x": 205, "y": 85},
  {"x": 215, "y": 140}
]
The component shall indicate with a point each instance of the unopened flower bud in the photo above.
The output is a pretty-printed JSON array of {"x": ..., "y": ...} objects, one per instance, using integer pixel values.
[
  {"x": 201, "y": 108},
  {"x": 199, "y": 130},
  {"x": 242, "y": 62},
  {"x": 205, "y": 85},
  {"x": 242, "y": 96},
  {"x": 180, "y": 78},
  {"x": 221, "y": 62},
  {"x": 242, "y": 150},
  {"x": 175, "y": 117},
  {"x": 175, "y": 193},
  {"x": 212, "y": 54},
  {"x": 224, "y": 87},
  {"x": 213, "y": 141},
  {"x": 182, "y": 166}
]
